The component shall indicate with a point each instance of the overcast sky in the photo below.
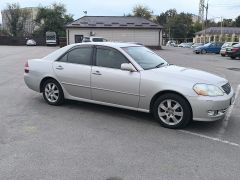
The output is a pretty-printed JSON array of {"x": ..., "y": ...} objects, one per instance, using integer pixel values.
[{"x": 217, "y": 8}]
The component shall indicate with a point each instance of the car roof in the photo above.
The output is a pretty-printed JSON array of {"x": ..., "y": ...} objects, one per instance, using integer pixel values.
[
  {"x": 56, "y": 54},
  {"x": 109, "y": 44}
]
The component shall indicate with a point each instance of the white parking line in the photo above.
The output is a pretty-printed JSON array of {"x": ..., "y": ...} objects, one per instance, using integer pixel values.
[
  {"x": 228, "y": 115},
  {"x": 211, "y": 138}
]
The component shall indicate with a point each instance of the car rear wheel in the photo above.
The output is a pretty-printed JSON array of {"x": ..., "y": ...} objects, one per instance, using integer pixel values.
[
  {"x": 52, "y": 92},
  {"x": 223, "y": 55},
  {"x": 203, "y": 51},
  {"x": 172, "y": 111},
  {"x": 233, "y": 57}
]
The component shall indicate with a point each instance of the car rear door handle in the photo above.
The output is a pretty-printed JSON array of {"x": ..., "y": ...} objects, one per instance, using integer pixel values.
[
  {"x": 96, "y": 73},
  {"x": 59, "y": 67}
]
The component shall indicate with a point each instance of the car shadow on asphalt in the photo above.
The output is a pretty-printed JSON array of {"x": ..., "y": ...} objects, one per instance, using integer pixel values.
[
  {"x": 207, "y": 128},
  {"x": 194, "y": 126}
]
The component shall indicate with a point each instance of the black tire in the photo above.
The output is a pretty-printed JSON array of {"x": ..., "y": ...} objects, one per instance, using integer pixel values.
[
  {"x": 184, "y": 108},
  {"x": 232, "y": 57},
  {"x": 203, "y": 51},
  {"x": 197, "y": 52},
  {"x": 223, "y": 55},
  {"x": 57, "y": 88}
]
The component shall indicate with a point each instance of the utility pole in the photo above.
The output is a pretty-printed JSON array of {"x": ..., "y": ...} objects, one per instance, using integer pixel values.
[
  {"x": 201, "y": 11},
  {"x": 221, "y": 28},
  {"x": 205, "y": 23}
]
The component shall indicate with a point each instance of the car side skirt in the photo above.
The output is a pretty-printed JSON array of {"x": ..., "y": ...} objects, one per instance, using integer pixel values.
[{"x": 107, "y": 104}]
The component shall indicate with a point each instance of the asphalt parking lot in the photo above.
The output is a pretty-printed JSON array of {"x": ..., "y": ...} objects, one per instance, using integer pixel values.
[{"x": 85, "y": 141}]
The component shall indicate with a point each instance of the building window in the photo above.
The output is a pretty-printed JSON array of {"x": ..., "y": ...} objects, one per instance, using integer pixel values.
[{"x": 236, "y": 38}]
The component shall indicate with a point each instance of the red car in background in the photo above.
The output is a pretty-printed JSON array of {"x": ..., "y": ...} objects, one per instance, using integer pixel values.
[{"x": 234, "y": 51}]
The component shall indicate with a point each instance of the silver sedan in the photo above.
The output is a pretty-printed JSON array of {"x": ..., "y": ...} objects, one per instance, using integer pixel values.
[{"x": 129, "y": 76}]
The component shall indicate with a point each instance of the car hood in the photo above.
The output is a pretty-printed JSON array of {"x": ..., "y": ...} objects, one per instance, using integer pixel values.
[{"x": 193, "y": 76}]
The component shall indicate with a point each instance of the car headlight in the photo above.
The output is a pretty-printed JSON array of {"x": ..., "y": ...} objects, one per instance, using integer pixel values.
[{"x": 207, "y": 90}]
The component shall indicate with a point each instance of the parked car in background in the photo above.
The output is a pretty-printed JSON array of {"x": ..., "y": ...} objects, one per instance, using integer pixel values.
[
  {"x": 31, "y": 42},
  {"x": 129, "y": 76},
  {"x": 185, "y": 45},
  {"x": 225, "y": 46},
  {"x": 209, "y": 48},
  {"x": 197, "y": 45},
  {"x": 93, "y": 39},
  {"x": 188, "y": 45},
  {"x": 234, "y": 51},
  {"x": 181, "y": 44},
  {"x": 172, "y": 43}
]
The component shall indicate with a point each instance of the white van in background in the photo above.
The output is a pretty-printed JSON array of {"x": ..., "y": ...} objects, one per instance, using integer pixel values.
[{"x": 51, "y": 38}]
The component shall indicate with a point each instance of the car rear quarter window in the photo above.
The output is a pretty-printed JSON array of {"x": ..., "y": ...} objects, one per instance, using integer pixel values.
[
  {"x": 111, "y": 58},
  {"x": 81, "y": 55}
]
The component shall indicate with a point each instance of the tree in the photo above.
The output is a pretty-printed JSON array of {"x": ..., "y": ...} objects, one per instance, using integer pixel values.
[
  {"x": 237, "y": 21},
  {"x": 228, "y": 23},
  {"x": 16, "y": 19},
  {"x": 142, "y": 11},
  {"x": 4, "y": 32},
  {"x": 177, "y": 26},
  {"x": 52, "y": 19}
]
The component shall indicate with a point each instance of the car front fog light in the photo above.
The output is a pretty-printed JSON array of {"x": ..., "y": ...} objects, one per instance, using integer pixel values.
[{"x": 212, "y": 112}]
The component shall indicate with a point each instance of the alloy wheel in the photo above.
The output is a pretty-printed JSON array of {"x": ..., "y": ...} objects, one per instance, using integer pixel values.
[
  {"x": 51, "y": 92},
  {"x": 170, "y": 112}
]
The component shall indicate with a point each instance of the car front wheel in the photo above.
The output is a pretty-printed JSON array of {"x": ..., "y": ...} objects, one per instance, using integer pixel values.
[
  {"x": 52, "y": 92},
  {"x": 203, "y": 51},
  {"x": 172, "y": 111}
]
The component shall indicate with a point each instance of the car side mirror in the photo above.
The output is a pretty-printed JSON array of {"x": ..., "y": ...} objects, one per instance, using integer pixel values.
[{"x": 127, "y": 67}]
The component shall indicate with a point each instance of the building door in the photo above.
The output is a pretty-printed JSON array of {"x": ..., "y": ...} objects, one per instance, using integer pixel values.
[{"x": 78, "y": 38}]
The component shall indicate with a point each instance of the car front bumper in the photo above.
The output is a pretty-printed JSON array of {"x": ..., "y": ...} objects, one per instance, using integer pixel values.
[
  {"x": 205, "y": 108},
  {"x": 197, "y": 50},
  {"x": 223, "y": 52}
]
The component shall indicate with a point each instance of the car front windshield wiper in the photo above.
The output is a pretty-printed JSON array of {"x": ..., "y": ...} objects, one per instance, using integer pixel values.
[{"x": 159, "y": 65}]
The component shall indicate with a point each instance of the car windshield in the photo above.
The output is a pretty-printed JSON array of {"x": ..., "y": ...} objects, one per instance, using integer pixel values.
[
  {"x": 237, "y": 45},
  {"x": 146, "y": 58},
  {"x": 226, "y": 44},
  {"x": 208, "y": 44}
]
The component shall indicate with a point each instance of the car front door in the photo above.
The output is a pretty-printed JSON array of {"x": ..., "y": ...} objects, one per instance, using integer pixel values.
[
  {"x": 109, "y": 83},
  {"x": 73, "y": 71}
]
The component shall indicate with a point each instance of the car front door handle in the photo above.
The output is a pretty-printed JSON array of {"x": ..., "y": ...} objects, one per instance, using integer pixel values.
[
  {"x": 96, "y": 73},
  {"x": 59, "y": 68}
]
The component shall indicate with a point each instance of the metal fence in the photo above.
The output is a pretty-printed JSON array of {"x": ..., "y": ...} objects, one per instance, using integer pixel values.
[{"x": 20, "y": 41}]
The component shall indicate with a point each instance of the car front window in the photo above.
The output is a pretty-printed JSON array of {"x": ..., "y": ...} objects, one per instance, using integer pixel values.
[
  {"x": 146, "y": 58},
  {"x": 110, "y": 58}
]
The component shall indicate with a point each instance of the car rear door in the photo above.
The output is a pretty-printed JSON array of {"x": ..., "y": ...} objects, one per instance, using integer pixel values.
[
  {"x": 109, "y": 83},
  {"x": 73, "y": 71}
]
